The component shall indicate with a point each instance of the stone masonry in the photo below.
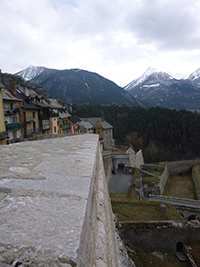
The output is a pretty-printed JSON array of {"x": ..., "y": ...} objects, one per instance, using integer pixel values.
[{"x": 54, "y": 205}]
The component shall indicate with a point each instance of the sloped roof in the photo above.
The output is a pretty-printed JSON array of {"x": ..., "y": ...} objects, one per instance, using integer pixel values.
[
  {"x": 64, "y": 114},
  {"x": 30, "y": 106},
  {"x": 74, "y": 118},
  {"x": 54, "y": 103},
  {"x": 7, "y": 95},
  {"x": 93, "y": 121},
  {"x": 86, "y": 124}
]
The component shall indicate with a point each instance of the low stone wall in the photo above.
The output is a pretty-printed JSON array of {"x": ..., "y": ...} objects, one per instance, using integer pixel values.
[
  {"x": 196, "y": 186},
  {"x": 163, "y": 179},
  {"x": 180, "y": 167},
  {"x": 158, "y": 236}
]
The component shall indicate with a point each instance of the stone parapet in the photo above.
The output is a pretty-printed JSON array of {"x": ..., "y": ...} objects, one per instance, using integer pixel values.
[{"x": 55, "y": 208}]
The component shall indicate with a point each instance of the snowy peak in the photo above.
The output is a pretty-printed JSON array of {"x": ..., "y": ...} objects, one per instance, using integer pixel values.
[
  {"x": 30, "y": 72},
  {"x": 161, "y": 89},
  {"x": 154, "y": 74},
  {"x": 195, "y": 77}
]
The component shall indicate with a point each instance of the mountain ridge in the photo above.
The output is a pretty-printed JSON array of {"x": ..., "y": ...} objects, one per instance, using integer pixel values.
[
  {"x": 152, "y": 88},
  {"x": 161, "y": 89},
  {"x": 79, "y": 86}
]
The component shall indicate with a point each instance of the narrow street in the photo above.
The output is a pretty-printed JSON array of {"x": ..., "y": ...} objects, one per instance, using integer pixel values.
[{"x": 120, "y": 182}]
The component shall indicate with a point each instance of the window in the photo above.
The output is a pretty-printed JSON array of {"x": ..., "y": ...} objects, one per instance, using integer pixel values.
[
  {"x": 54, "y": 129},
  {"x": 45, "y": 124},
  {"x": 33, "y": 114},
  {"x": 13, "y": 119}
]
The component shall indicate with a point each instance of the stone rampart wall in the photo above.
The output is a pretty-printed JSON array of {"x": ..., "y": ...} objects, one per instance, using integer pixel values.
[
  {"x": 120, "y": 158},
  {"x": 153, "y": 167},
  {"x": 158, "y": 236},
  {"x": 132, "y": 157},
  {"x": 180, "y": 167},
  {"x": 55, "y": 205},
  {"x": 163, "y": 179},
  {"x": 98, "y": 245},
  {"x": 108, "y": 163},
  {"x": 195, "y": 184},
  {"x": 139, "y": 160}
]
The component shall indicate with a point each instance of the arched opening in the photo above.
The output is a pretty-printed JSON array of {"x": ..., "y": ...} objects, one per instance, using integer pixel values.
[
  {"x": 180, "y": 251},
  {"x": 120, "y": 166},
  {"x": 179, "y": 247},
  {"x": 192, "y": 217},
  {"x": 181, "y": 214}
]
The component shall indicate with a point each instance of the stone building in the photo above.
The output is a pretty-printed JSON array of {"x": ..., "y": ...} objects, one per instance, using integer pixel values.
[{"x": 106, "y": 135}]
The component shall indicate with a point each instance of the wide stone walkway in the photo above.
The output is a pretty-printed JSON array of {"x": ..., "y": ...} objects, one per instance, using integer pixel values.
[{"x": 44, "y": 188}]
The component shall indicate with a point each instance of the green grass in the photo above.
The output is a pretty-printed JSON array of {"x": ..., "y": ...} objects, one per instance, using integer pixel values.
[
  {"x": 155, "y": 259},
  {"x": 129, "y": 209},
  {"x": 180, "y": 186},
  {"x": 119, "y": 152}
]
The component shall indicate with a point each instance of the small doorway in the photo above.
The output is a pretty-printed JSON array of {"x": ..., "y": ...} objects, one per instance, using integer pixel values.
[
  {"x": 120, "y": 166},
  {"x": 180, "y": 251}
]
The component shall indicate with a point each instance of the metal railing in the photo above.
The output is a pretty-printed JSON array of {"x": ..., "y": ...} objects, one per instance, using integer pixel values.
[
  {"x": 66, "y": 126},
  {"x": 32, "y": 131},
  {"x": 8, "y": 111}
]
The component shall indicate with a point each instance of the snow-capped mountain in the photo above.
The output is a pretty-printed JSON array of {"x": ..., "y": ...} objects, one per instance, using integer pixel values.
[
  {"x": 195, "y": 77},
  {"x": 160, "y": 89},
  {"x": 30, "y": 72},
  {"x": 161, "y": 77},
  {"x": 78, "y": 86}
]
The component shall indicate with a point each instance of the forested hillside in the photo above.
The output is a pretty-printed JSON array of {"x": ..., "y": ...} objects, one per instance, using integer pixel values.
[{"x": 162, "y": 133}]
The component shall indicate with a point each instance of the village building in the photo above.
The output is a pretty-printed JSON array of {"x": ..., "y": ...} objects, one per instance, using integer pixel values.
[
  {"x": 3, "y": 135},
  {"x": 104, "y": 129},
  {"x": 11, "y": 106}
]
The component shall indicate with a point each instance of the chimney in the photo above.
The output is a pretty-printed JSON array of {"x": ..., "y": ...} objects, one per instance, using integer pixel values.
[
  {"x": 13, "y": 86},
  {"x": 60, "y": 101},
  {"x": 102, "y": 118}
]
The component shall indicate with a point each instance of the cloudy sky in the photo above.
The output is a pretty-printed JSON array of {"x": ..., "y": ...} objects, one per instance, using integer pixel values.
[{"x": 118, "y": 39}]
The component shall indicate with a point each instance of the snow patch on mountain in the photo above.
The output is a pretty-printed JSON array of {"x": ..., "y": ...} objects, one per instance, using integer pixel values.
[
  {"x": 141, "y": 79},
  {"x": 151, "y": 85},
  {"x": 30, "y": 72},
  {"x": 195, "y": 75}
]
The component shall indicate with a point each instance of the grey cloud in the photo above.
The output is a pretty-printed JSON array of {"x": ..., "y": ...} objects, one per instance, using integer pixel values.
[{"x": 170, "y": 26}]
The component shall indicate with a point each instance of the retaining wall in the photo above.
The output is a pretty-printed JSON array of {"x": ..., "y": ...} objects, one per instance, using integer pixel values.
[
  {"x": 163, "y": 179},
  {"x": 180, "y": 167},
  {"x": 196, "y": 187},
  {"x": 158, "y": 236}
]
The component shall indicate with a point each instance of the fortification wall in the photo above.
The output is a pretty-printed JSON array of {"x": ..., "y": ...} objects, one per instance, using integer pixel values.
[
  {"x": 196, "y": 187},
  {"x": 163, "y": 179},
  {"x": 180, "y": 167},
  {"x": 55, "y": 205},
  {"x": 139, "y": 160},
  {"x": 98, "y": 241},
  {"x": 108, "y": 163},
  {"x": 158, "y": 236},
  {"x": 132, "y": 156}
]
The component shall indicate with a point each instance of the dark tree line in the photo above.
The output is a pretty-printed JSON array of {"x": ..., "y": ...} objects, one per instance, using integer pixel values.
[{"x": 163, "y": 134}]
